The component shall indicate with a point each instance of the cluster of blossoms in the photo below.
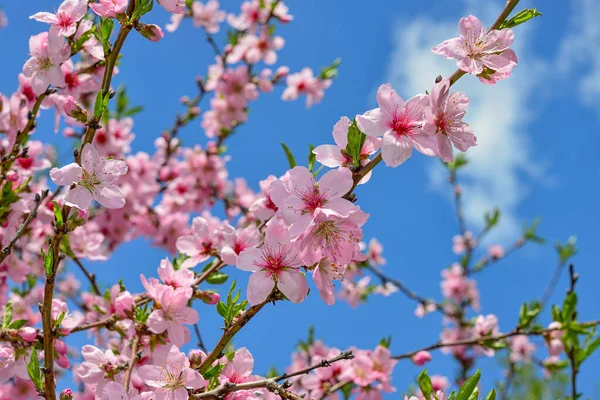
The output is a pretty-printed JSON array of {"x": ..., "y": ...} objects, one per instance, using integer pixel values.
[{"x": 297, "y": 224}]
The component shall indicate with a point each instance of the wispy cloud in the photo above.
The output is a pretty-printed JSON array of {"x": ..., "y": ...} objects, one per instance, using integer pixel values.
[
  {"x": 501, "y": 165},
  {"x": 581, "y": 49}
]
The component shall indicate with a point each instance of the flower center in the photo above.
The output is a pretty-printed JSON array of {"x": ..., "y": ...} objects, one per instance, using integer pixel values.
[
  {"x": 89, "y": 180},
  {"x": 312, "y": 199}
]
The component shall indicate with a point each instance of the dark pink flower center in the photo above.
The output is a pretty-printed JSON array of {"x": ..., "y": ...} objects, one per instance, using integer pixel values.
[
  {"x": 64, "y": 20},
  {"x": 274, "y": 261},
  {"x": 312, "y": 199},
  {"x": 25, "y": 163}
]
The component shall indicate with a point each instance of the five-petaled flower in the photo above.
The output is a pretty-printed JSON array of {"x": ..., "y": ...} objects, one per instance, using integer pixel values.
[{"x": 93, "y": 180}]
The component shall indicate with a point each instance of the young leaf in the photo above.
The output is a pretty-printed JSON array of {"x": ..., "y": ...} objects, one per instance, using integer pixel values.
[
  {"x": 217, "y": 278},
  {"x": 33, "y": 369},
  {"x": 425, "y": 384},
  {"x": 18, "y": 324},
  {"x": 356, "y": 140},
  {"x": 521, "y": 17},
  {"x": 312, "y": 158},
  {"x": 8, "y": 313},
  {"x": 467, "y": 388},
  {"x": 58, "y": 214},
  {"x": 491, "y": 395},
  {"x": 289, "y": 155}
]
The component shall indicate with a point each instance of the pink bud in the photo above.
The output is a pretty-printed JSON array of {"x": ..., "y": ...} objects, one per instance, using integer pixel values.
[
  {"x": 63, "y": 361},
  {"x": 124, "y": 304},
  {"x": 27, "y": 333},
  {"x": 60, "y": 346},
  {"x": 196, "y": 356},
  {"x": 496, "y": 251},
  {"x": 12, "y": 176},
  {"x": 282, "y": 72},
  {"x": 66, "y": 394},
  {"x": 421, "y": 358},
  {"x": 69, "y": 105},
  {"x": 150, "y": 31}
]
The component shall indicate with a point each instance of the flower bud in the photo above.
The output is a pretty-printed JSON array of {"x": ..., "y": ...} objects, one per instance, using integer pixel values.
[
  {"x": 73, "y": 110},
  {"x": 421, "y": 358},
  {"x": 124, "y": 304},
  {"x": 27, "y": 333},
  {"x": 150, "y": 31},
  {"x": 66, "y": 394}
]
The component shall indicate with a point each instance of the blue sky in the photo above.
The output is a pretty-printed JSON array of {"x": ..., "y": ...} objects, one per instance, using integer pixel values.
[{"x": 537, "y": 156}]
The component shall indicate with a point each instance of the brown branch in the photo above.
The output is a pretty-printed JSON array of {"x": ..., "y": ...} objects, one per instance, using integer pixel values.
[
  {"x": 409, "y": 293},
  {"x": 21, "y": 230},
  {"x": 481, "y": 341},
  {"x": 230, "y": 332},
  {"x": 90, "y": 276},
  {"x": 271, "y": 383},
  {"x": 134, "y": 357}
]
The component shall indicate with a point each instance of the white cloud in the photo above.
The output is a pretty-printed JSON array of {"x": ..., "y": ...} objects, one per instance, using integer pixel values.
[
  {"x": 501, "y": 164},
  {"x": 581, "y": 48}
]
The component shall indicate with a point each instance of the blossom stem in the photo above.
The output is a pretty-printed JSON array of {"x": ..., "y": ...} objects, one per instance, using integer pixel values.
[
  {"x": 90, "y": 276},
  {"x": 358, "y": 176},
  {"x": 47, "y": 325},
  {"x": 271, "y": 383},
  {"x": 229, "y": 333},
  {"x": 21, "y": 230},
  {"x": 134, "y": 356},
  {"x": 489, "y": 339}
]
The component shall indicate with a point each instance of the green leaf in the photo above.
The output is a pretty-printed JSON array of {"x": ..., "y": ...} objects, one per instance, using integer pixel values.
[
  {"x": 289, "y": 155},
  {"x": 459, "y": 161},
  {"x": 386, "y": 342},
  {"x": 312, "y": 157},
  {"x": 356, "y": 140},
  {"x": 33, "y": 369},
  {"x": 59, "y": 320},
  {"x": 528, "y": 313},
  {"x": 81, "y": 41},
  {"x": 122, "y": 100},
  {"x": 330, "y": 71},
  {"x": 492, "y": 219},
  {"x": 133, "y": 111},
  {"x": 467, "y": 388},
  {"x": 221, "y": 309},
  {"x": 48, "y": 261},
  {"x": 425, "y": 384},
  {"x": 98, "y": 110},
  {"x": 569, "y": 306},
  {"x": 217, "y": 278},
  {"x": 591, "y": 348},
  {"x": 106, "y": 28},
  {"x": 18, "y": 324},
  {"x": 8, "y": 313},
  {"x": 57, "y": 214},
  {"x": 491, "y": 395},
  {"x": 567, "y": 250},
  {"x": 521, "y": 17}
]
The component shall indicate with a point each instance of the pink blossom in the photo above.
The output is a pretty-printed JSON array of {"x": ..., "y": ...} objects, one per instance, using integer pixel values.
[
  {"x": 263, "y": 207},
  {"x": 307, "y": 196},
  {"x": 444, "y": 120},
  {"x": 423, "y": 310},
  {"x": 332, "y": 236},
  {"x": 207, "y": 15},
  {"x": 182, "y": 277},
  {"x": 477, "y": 50},
  {"x": 174, "y": 6},
  {"x": 458, "y": 287},
  {"x": 276, "y": 262},
  {"x": 496, "y": 251},
  {"x": 64, "y": 22},
  {"x": 323, "y": 275},
  {"x": 463, "y": 243},
  {"x": 69, "y": 320},
  {"x": 92, "y": 46},
  {"x": 13, "y": 115},
  {"x": 109, "y": 8},
  {"x": 521, "y": 349},
  {"x": 239, "y": 370},
  {"x": 28, "y": 334},
  {"x": 200, "y": 246},
  {"x": 486, "y": 325},
  {"x": 236, "y": 241},
  {"x": 97, "y": 366},
  {"x": 355, "y": 293},
  {"x": 94, "y": 180},
  {"x": 173, "y": 312},
  {"x": 304, "y": 82},
  {"x": 374, "y": 253},
  {"x": 114, "y": 390},
  {"x": 7, "y": 362},
  {"x": 124, "y": 304},
  {"x": 3, "y": 19},
  {"x": 400, "y": 123},
  {"x": 421, "y": 358},
  {"x": 333, "y": 156},
  {"x": 172, "y": 377},
  {"x": 255, "y": 48},
  {"x": 47, "y": 53}
]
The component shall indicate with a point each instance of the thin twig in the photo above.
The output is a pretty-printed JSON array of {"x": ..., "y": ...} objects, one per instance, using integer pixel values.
[
  {"x": 134, "y": 357},
  {"x": 90, "y": 276},
  {"x": 21, "y": 230}
]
